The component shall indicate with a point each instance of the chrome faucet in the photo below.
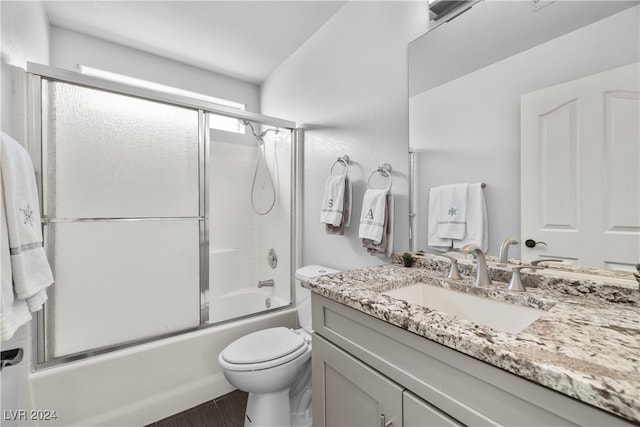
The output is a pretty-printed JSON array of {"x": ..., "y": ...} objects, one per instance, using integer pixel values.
[
  {"x": 268, "y": 283},
  {"x": 516, "y": 280},
  {"x": 482, "y": 273},
  {"x": 454, "y": 273},
  {"x": 504, "y": 249}
]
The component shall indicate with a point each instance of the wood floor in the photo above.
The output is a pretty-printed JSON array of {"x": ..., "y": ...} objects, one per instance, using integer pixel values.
[{"x": 225, "y": 411}]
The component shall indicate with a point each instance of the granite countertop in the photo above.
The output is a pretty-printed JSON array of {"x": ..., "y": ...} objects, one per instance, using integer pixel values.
[{"x": 586, "y": 345}]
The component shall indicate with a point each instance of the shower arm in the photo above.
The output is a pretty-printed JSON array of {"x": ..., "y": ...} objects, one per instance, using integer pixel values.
[{"x": 260, "y": 136}]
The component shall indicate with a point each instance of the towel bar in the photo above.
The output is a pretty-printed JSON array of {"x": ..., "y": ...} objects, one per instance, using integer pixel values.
[
  {"x": 384, "y": 170},
  {"x": 344, "y": 160}
]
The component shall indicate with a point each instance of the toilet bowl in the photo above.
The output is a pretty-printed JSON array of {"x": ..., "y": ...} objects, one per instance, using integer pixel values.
[{"x": 274, "y": 366}]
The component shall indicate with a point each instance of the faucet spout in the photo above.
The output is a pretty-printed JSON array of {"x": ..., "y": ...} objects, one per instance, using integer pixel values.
[
  {"x": 269, "y": 283},
  {"x": 482, "y": 273},
  {"x": 504, "y": 249}
]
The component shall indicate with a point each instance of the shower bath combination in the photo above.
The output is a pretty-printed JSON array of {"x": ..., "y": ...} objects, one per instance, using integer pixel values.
[{"x": 185, "y": 223}]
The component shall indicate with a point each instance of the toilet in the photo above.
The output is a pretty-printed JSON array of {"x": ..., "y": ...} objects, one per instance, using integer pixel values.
[{"x": 274, "y": 365}]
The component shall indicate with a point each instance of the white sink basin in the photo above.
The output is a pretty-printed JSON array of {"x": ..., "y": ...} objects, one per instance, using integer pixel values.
[{"x": 499, "y": 315}]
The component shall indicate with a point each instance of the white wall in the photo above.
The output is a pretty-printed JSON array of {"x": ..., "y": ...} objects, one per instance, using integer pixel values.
[
  {"x": 69, "y": 48},
  {"x": 468, "y": 130},
  {"x": 25, "y": 37},
  {"x": 347, "y": 86}
]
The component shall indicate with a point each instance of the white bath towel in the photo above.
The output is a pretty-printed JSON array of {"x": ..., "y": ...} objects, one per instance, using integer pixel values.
[
  {"x": 385, "y": 247},
  {"x": 477, "y": 230},
  {"x": 30, "y": 271},
  {"x": 452, "y": 210},
  {"x": 433, "y": 240},
  {"x": 373, "y": 215},
  {"x": 13, "y": 311},
  {"x": 346, "y": 211},
  {"x": 333, "y": 200}
]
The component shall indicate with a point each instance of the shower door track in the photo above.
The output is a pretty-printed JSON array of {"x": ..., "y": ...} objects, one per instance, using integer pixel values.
[
  {"x": 36, "y": 72},
  {"x": 150, "y": 94}
]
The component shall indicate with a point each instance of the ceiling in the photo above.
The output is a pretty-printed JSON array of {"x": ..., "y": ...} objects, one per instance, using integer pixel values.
[{"x": 242, "y": 39}]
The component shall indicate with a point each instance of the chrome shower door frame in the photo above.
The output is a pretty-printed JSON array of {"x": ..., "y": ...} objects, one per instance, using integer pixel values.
[{"x": 35, "y": 75}]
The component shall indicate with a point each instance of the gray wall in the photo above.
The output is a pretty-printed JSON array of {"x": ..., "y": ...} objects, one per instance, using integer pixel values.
[
  {"x": 25, "y": 37},
  {"x": 347, "y": 86},
  {"x": 69, "y": 48}
]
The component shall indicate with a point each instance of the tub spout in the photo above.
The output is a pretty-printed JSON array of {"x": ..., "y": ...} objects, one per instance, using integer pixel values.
[{"x": 268, "y": 283}]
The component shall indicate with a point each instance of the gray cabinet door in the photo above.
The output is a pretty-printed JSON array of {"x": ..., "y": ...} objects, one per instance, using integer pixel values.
[
  {"x": 418, "y": 413},
  {"x": 348, "y": 393}
]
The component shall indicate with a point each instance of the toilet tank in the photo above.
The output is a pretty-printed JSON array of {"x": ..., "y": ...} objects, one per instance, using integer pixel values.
[{"x": 303, "y": 296}]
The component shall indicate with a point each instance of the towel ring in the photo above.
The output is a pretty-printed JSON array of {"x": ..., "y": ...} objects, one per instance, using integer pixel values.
[
  {"x": 344, "y": 160},
  {"x": 384, "y": 170}
]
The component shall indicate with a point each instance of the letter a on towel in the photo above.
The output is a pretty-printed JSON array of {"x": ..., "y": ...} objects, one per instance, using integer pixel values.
[{"x": 373, "y": 215}]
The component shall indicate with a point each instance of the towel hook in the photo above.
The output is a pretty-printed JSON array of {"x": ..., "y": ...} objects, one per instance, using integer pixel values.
[
  {"x": 344, "y": 160},
  {"x": 384, "y": 170}
]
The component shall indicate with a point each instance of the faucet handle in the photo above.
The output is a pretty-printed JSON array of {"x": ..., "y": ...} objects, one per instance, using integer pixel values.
[
  {"x": 516, "y": 280},
  {"x": 535, "y": 262},
  {"x": 454, "y": 273}
]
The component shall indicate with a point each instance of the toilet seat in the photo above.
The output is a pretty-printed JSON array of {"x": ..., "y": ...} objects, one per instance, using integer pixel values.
[{"x": 263, "y": 350}]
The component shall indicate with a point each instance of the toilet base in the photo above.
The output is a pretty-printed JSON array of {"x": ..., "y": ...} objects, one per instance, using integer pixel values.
[{"x": 268, "y": 409}]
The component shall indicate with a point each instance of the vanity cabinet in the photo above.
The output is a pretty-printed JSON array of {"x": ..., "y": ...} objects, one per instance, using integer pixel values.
[
  {"x": 365, "y": 368},
  {"x": 350, "y": 393}
]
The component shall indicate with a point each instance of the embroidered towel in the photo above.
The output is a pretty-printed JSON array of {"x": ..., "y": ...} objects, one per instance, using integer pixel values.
[
  {"x": 30, "y": 271},
  {"x": 373, "y": 215},
  {"x": 477, "y": 230},
  {"x": 385, "y": 247},
  {"x": 346, "y": 211},
  {"x": 452, "y": 211},
  {"x": 13, "y": 311},
  {"x": 333, "y": 200},
  {"x": 433, "y": 240}
]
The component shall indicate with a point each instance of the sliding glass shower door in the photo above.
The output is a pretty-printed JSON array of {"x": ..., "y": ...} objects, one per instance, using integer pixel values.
[
  {"x": 122, "y": 217},
  {"x": 155, "y": 225}
]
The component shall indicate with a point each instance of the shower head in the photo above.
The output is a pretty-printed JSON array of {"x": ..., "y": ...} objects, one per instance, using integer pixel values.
[{"x": 260, "y": 136}]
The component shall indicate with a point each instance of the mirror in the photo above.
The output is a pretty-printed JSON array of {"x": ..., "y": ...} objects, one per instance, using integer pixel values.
[{"x": 466, "y": 78}]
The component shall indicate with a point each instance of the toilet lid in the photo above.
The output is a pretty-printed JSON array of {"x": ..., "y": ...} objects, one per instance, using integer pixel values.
[{"x": 262, "y": 346}]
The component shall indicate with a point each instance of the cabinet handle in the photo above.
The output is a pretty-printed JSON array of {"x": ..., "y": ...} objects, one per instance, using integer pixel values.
[{"x": 384, "y": 422}]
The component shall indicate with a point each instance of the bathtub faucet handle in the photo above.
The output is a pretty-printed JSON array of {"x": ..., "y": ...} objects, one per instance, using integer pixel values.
[{"x": 269, "y": 283}]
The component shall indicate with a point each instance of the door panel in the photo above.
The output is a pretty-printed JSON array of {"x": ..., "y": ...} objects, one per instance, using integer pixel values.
[
  {"x": 580, "y": 176},
  {"x": 348, "y": 393}
]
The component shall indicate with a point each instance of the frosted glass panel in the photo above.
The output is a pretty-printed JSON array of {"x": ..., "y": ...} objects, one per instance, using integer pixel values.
[
  {"x": 121, "y": 281},
  {"x": 116, "y": 156}
]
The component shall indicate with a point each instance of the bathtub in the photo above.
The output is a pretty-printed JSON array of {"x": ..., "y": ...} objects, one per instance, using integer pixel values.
[
  {"x": 140, "y": 384},
  {"x": 243, "y": 302}
]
